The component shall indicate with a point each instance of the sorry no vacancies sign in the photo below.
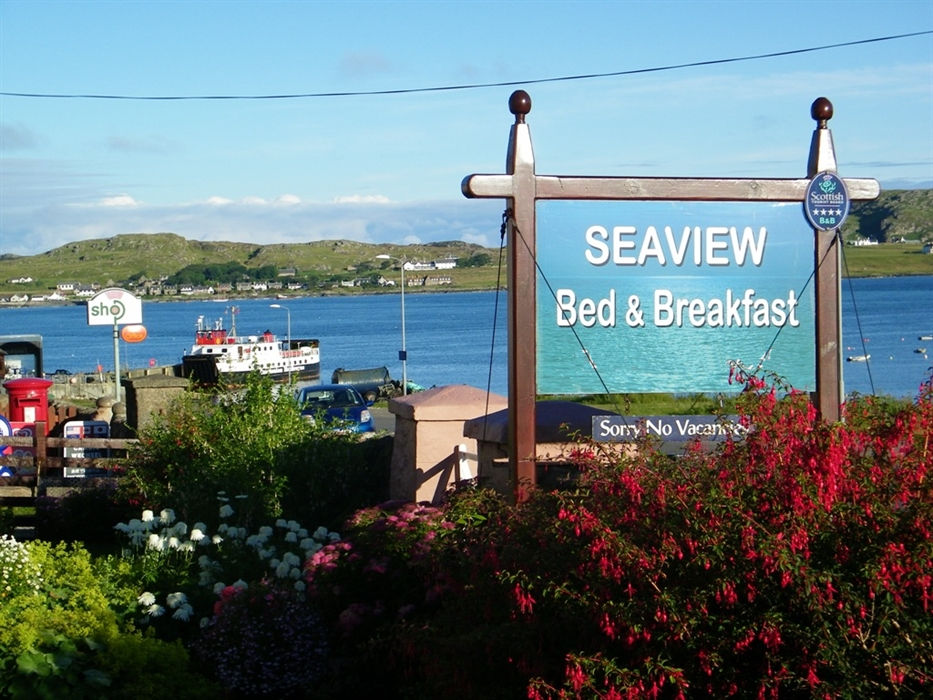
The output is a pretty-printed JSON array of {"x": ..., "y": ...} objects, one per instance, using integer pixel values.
[{"x": 661, "y": 296}]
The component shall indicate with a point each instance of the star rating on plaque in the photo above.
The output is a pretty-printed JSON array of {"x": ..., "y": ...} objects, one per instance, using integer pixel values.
[{"x": 827, "y": 212}]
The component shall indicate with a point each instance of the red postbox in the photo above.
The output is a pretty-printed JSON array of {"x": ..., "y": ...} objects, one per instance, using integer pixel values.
[{"x": 29, "y": 400}]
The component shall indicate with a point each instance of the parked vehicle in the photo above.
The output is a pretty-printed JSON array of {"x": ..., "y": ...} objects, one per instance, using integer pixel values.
[
  {"x": 340, "y": 406},
  {"x": 370, "y": 383}
]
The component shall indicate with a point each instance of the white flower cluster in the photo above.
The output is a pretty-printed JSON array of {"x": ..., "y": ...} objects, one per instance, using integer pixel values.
[
  {"x": 177, "y": 601},
  {"x": 285, "y": 548},
  {"x": 18, "y": 573},
  {"x": 161, "y": 533},
  {"x": 282, "y": 549},
  {"x": 157, "y": 532}
]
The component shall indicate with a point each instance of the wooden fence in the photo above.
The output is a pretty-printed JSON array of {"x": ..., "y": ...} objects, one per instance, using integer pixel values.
[{"x": 52, "y": 467}]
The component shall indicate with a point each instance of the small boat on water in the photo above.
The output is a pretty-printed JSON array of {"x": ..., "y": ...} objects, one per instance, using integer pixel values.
[
  {"x": 925, "y": 337},
  {"x": 920, "y": 351},
  {"x": 858, "y": 358},
  {"x": 218, "y": 352}
]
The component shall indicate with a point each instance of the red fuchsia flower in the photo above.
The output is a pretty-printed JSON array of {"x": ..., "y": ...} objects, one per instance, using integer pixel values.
[
  {"x": 897, "y": 675},
  {"x": 576, "y": 676},
  {"x": 524, "y": 599}
]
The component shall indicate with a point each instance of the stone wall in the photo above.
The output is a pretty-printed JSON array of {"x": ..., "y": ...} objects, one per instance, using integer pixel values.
[{"x": 149, "y": 396}]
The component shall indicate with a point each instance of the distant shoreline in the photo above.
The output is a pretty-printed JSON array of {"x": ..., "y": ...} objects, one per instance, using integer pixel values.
[{"x": 234, "y": 298}]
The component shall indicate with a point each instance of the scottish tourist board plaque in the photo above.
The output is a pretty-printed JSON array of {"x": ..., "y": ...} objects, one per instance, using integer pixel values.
[{"x": 827, "y": 201}]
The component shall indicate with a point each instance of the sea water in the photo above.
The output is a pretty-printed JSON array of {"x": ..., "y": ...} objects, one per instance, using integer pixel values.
[
  {"x": 448, "y": 336},
  {"x": 453, "y": 337}
]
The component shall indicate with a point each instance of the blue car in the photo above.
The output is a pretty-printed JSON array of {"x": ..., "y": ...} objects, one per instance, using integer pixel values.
[{"x": 340, "y": 405}]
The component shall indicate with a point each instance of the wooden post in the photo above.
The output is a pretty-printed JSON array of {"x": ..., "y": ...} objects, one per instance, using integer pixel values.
[
  {"x": 827, "y": 261},
  {"x": 519, "y": 188},
  {"x": 522, "y": 300},
  {"x": 42, "y": 452}
]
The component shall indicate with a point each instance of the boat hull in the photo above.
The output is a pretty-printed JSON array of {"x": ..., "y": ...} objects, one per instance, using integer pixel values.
[
  {"x": 205, "y": 370},
  {"x": 221, "y": 356}
]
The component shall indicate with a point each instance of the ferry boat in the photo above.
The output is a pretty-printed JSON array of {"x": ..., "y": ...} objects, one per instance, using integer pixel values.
[{"x": 218, "y": 352}]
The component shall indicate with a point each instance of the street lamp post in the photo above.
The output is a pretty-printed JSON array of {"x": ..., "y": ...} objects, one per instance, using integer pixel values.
[
  {"x": 403, "y": 353},
  {"x": 288, "y": 332}
]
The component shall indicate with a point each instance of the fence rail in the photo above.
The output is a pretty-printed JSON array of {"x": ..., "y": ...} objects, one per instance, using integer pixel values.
[{"x": 43, "y": 471}]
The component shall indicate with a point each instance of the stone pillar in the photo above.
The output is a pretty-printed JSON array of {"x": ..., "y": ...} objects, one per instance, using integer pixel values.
[
  {"x": 150, "y": 396},
  {"x": 428, "y": 433},
  {"x": 104, "y": 410}
]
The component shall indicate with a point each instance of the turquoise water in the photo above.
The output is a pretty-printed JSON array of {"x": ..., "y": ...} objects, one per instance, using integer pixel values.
[{"x": 685, "y": 289}]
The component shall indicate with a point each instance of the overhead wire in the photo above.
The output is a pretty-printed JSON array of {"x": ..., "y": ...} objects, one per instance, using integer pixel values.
[{"x": 476, "y": 86}]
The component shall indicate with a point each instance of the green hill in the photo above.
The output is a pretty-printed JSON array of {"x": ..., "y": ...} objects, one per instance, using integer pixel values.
[
  {"x": 896, "y": 215},
  {"x": 128, "y": 259}
]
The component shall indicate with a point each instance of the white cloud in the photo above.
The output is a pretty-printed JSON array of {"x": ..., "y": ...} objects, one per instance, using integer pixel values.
[
  {"x": 477, "y": 238},
  {"x": 120, "y": 200},
  {"x": 362, "y": 199},
  {"x": 288, "y": 199},
  {"x": 219, "y": 201}
]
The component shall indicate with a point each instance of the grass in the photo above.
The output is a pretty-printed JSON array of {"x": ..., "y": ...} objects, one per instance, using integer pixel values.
[
  {"x": 655, "y": 404},
  {"x": 887, "y": 259}
]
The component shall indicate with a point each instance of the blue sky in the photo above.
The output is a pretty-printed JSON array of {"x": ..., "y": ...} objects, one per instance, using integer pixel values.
[{"x": 387, "y": 168}]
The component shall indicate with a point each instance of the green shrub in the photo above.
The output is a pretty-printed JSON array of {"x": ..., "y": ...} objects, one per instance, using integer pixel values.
[
  {"x": 143, "y": 667},
  {"x": 254, "y": 443},
  {"x": 52, "y": 626},
  {"x": 217, "y": 441},
  {"x": 331, "y": 475},
  {"x": 60, "y": 637},
  {"x": 67, "y": 600}
]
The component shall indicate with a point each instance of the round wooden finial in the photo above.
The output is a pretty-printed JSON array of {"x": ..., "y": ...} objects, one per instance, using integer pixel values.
[
  {"x": 821, "y": 110},
  {"x": 520, "y": 105}
]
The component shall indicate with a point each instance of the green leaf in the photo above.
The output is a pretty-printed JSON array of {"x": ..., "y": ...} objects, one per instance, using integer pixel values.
[{"x": 34, "y": 662}]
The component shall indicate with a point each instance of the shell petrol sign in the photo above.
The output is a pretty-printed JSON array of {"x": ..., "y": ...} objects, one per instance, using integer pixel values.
[
  {"x": 114, "y": 306},
  {"x": 134, "y": 333}
]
